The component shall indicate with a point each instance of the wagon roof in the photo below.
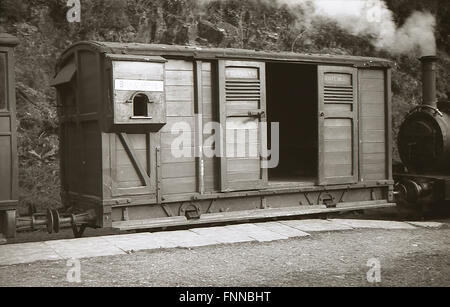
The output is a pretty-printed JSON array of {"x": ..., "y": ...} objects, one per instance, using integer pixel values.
[{"x": 215, "y": 53}]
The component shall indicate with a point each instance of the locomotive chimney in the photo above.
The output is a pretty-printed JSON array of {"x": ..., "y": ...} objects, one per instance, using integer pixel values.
[{"x": 429, "y": 80}]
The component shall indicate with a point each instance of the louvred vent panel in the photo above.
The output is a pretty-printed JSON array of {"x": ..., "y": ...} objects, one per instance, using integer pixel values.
[
  {"x": 338, "y": 94},
  {"x": 238, "y": 90}
]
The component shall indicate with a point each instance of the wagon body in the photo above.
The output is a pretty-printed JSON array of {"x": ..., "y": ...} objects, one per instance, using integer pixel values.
[{"x": 157, "y": 135}]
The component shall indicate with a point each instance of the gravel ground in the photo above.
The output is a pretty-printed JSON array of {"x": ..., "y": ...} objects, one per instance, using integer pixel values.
[{"x": 419, "y": 257}]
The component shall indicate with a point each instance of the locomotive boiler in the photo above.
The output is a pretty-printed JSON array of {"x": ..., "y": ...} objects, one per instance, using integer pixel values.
[{"x": 424, "y": 145}]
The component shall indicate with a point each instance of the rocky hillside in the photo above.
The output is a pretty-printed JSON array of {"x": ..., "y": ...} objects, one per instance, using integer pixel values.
[{"x": 44, "y": 33}]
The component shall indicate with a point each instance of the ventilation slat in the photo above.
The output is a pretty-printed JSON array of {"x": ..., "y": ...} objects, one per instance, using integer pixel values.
[
  {"x": 338, "y": 94},
  {"x": 338, "y": 87},
  {"x": 345, "y": 90},
  {"x": 242, "y": 90},
  {"x": 243, "y": 99},
  {"x": 256, "y": 88},
  {"x": 242, "y": 93}
]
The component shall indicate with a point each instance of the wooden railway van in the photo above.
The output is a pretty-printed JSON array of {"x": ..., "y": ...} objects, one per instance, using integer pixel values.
[
  {"x": 8, "y": 141},
  {"x": 156, "y": 135}
]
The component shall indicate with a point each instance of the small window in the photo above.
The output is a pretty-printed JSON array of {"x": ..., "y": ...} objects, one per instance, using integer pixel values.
[{"x": 140, "y": 105}]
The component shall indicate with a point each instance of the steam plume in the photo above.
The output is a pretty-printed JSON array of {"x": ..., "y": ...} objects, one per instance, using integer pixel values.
[{"x": 371, "y": 17}]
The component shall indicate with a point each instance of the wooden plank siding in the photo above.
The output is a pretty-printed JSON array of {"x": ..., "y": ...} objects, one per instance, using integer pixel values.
[
  {"x": 5, "y": 167},
  {"x": 92, "y": 159},
  {"x": 178, "y": 174},
  {"x": 87, "y": 128},
  {"x": 373, "y": 164},
  {"x": 127, "y": 175},
  {"x": 89, "y": 75}
]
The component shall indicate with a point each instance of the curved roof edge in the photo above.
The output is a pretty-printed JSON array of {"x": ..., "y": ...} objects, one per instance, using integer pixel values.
[
  {"x": 8, "y": 40},
  {"x": 215, "y": 53}
]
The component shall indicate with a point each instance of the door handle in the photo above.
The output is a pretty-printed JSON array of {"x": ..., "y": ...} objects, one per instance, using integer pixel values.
[{"x": 258, "y": 113}]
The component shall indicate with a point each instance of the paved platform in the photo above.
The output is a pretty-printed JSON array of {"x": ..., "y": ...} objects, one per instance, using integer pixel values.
[{"x": 127, "y": 243}]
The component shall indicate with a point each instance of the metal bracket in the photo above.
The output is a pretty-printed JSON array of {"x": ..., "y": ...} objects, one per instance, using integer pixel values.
[
  {"x": 167, "y": 210},
  {"x": 125, "y": 216},
  {"x": 190, "y": 210},
  {"x": 263, "y": 203},
  {"x": 210, "y": 206},
  {"x": 327, "y": 199},
  {"x": 158, "y": 176}
]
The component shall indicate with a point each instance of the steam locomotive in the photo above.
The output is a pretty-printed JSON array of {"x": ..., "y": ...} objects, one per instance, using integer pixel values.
[
  {"x": 424, "y": 146},
  {"x": 119, "y": 104}
]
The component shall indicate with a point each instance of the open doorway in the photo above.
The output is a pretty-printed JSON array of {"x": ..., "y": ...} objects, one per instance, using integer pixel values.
[{"x": 292, "y": 101}]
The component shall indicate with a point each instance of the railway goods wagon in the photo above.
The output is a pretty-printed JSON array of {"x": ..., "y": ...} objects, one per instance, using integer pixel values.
[
  {"x": 157, "y": 135},
  {"x": 8, "y": 138},
  {"x": 153, "y": 136}
]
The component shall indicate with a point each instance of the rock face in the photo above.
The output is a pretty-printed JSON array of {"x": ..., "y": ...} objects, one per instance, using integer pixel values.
[{"x": 210, "y": 32}]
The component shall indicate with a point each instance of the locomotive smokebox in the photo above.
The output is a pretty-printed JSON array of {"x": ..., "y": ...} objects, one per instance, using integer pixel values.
[{"x": 429, "y": 80}]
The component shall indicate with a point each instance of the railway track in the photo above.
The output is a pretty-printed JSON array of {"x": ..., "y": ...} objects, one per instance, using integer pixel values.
[{"x": 390, "y": 214}]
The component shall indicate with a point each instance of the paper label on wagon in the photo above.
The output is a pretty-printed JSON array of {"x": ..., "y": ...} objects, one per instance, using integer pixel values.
[{"x": 139, "y": 85}]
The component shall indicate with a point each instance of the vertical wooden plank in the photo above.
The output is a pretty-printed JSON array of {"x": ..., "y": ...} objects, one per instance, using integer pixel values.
[
  {"x": 106, "y": 166},
  {"x": 80, "y": 156},
  {"x": 355, "y": 123},
  {"x": 360, "y": 139},
  {"x": 263, "y": 119},
  {"x": 198, "y": 110},
  {"x": 12, "y": 108},
  {"x": 223, "y": 119},
  {"x": 149, "y": 155},
  {"x": 389, "y": 140},
  {"x": 3, "y": 80},
  {"x": 113, "y": 163},
  {"x": 321, "y": 124}
]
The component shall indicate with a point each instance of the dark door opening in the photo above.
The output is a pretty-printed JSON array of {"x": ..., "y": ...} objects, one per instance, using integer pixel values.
[{"x": 292, "y": 102}]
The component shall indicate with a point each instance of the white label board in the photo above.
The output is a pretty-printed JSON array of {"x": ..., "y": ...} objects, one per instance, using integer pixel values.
[{"x": 139, "y": 85}]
